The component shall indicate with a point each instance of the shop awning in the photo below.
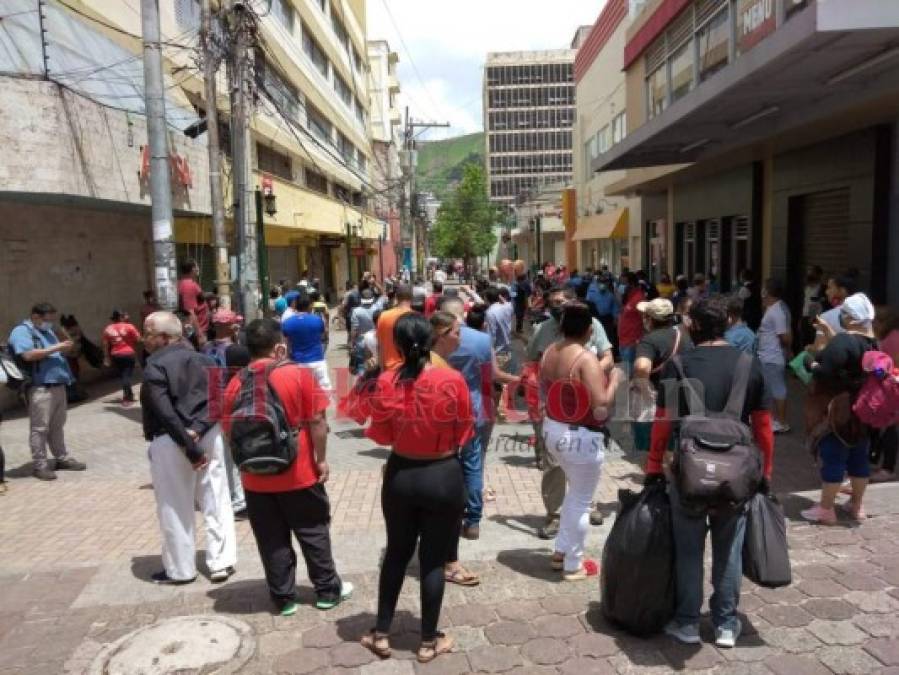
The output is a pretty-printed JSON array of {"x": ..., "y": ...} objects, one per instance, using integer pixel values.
[{"x": 609, "y": 225}]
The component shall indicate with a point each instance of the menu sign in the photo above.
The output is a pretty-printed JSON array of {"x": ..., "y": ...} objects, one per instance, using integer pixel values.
[{"x": 755, "y": 21}]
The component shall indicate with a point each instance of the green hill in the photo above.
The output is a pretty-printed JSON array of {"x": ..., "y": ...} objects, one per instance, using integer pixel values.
[{"x": 440, "y": 162}]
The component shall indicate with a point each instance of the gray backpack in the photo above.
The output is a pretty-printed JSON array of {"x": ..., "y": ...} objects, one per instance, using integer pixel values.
[{"x": 717, "y": 462}]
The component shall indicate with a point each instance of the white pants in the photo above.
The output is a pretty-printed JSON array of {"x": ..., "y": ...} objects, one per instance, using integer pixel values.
[
  {"x": 579, "y": 452},
  {"x": 177, "y": 487},
  {"x": 320, "y": 370}
]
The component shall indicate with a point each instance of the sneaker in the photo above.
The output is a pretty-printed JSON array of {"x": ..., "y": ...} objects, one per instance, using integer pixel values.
[
  {"x": 218, "y": 576},
  {"x": 241, "y": 514},
  {"x": 688, "y": 634},
  {"x": 44, "y": 473},
  {"x": 346, "y": 592},
  {"x": 289, "y": 608},
  {"x": 820, "y": 515},
  {"x": 549, "y": 530},
  {"x": 472, "y": 532},
  {"x": 70, "y": 464},
  {"x": 163, "y": 578},
  {"x": 780, "y": 428},
  {"x": 882, "y": 476},
  {"x": 727, "y": 637}
]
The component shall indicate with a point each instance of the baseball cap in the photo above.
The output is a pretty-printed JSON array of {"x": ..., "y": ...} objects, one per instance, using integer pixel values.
[
  {"x": 225, "y": 317},
  {"x": 659, "y": 309}
]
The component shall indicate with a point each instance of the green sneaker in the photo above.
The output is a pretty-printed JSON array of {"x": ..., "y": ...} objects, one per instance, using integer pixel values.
[
  {"x": 346, "y": 591},
  {"x": 289, "y": 609}
]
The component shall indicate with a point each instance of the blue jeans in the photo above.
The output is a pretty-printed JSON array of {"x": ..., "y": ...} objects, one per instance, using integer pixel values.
[
  {"x": 628, "y": 355},
  {"x": 473, "y": 472},
  {"x": 728, "y": 527}
]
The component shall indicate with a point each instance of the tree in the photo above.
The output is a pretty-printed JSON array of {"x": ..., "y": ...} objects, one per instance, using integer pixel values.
[{"x": 464, "y": 224}]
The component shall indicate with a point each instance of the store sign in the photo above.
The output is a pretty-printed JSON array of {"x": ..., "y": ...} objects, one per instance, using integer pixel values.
[
  {"x": 755, "y": 21},
  {"x": 267, "y": 185}
]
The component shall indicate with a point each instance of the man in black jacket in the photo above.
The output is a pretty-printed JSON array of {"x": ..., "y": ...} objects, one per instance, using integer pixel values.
[{"x": 187, "y": 461}]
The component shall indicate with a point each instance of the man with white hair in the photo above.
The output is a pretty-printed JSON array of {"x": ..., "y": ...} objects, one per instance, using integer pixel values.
[{"x": 187, "y": 461}]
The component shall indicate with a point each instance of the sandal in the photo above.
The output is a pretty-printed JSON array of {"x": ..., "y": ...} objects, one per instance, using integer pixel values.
[
  {"x": 377, "y": 643},
  {"x": 557, "y": 562},
  {"x": 430, "y": 650},
  {"x": 489, "y": 495},
  {"x": 462, "y": 577},
  {"x": 589, "y": 568}
]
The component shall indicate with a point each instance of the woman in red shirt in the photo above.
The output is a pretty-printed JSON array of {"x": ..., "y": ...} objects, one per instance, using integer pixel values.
[
  {"x": 120, "y": 340},
  {"x": 630, "y": 322},
  {"x": 424, "y": 414}
]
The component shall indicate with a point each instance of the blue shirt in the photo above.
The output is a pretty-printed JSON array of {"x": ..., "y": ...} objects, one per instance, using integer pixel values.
[
  {"x": 741, "y": 337},
  {"x": 474, "y": 359},
  {"x": 304, "y": 334},
  {"x": 499, "y": 318},
  {"x": 280, "y": 306},
  {"x": 53, "y": 369},
  {"x": 602, "y": 300}
]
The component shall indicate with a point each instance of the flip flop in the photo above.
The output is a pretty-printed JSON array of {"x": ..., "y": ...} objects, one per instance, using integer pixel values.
[
  {"x": 489, "y": 495},
  {"x": 462, "y": 577},
  {"x": 371, "y": 642},
  {"x": 430, "y": 650}
]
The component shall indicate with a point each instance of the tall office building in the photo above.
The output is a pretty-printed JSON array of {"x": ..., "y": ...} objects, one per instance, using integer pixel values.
[{"x": 528, "y": 120}]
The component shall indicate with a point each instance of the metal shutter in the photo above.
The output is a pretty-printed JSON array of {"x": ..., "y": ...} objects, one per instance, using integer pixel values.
[
  {"x": 680, "y": 30},
  {"x": 825, "y": 219},
  {"x": 706, "y": 8},
  {"x": 283, "y": 264}
]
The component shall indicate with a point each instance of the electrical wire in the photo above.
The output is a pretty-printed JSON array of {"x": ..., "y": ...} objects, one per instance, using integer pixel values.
[
  {"x": 116, "y": 29},
  {"x": 14, "y": 14}
]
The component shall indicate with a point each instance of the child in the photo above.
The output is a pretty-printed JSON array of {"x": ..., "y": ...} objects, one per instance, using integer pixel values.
[{"x": 738, "y": 334}]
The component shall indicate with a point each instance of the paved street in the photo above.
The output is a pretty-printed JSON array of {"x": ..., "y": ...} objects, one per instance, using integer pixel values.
[{"x": 77, "y": 554}]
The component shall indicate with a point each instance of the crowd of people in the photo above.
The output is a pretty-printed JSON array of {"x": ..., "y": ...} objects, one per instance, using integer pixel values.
[{"x": 433, "y": 367}]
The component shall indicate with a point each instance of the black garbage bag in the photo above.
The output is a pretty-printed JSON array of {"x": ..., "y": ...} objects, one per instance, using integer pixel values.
[
  {"x": 637, "y": 580},
  {"x": 766, "y": 554}
]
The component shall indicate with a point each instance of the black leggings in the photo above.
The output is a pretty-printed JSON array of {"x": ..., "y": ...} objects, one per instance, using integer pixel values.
[
  {"x": 422, "y": 503},
  {"x": 124, "y": 366},
  {"x": 884, "y": 445}
]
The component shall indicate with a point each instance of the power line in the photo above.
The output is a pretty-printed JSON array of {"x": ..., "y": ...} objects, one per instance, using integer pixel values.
[{"x": 121, "y": 31}]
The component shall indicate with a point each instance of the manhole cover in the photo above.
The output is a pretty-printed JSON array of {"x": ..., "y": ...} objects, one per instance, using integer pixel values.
[{"x": 209, "y": 644}]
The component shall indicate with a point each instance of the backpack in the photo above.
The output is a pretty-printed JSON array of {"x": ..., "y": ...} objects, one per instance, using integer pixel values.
[
  {"x": 261, "y": 440},
  {"x": 877, "y": 404},
  {"x": 717, "y": 461},
  {"x": 17, "y": 371}
]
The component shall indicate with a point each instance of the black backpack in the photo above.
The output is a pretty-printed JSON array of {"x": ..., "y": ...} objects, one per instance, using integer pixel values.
[
  {"x": 717, "y": 461},
  {"x": 261, "y": 439}
]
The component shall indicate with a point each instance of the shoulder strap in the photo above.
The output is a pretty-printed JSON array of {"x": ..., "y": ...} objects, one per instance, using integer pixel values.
[
  {"x": 695, "y": 405},
  {"x": 576, "y": 359},
  {"x": 674, "y": 349},
  {"x": 737, "y": 397}
]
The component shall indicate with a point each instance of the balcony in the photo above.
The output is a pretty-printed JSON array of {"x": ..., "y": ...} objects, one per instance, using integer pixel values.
[{"x": 393, "y": 84}]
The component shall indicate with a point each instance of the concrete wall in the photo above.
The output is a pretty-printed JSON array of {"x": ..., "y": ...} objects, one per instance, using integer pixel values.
[
  {"x": 84, "y": 261},
  {"x": 57, "y": 142},
  {"x": 727, "y": 194},
  {"x": 847, "y": 161}
]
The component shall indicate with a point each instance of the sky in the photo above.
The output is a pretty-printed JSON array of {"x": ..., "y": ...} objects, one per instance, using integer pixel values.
[{"x": 449, "y": 40}]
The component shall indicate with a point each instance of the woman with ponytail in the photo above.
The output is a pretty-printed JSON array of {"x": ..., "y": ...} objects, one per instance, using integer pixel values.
[{"x": 424, "y": 415}]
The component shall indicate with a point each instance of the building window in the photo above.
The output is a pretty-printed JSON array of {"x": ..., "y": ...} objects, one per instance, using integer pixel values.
[
  {"x": 360, "y": 113},
  {"x": 284, "y": 96},
  {"x": 619, "y": 128},
  {"x": 321, "y": 3},
  {"x": 282, "y": 10},
  {"x": 343, "y": 90},
  {"x": 357, "y": 61},
  {"x": 346, "y": 148},
  {"x": 341, "y": 193},
  {"x": 361, "y": 160},
  {"x": 713, "y": 39},
  {"x": 187, "y": 14},
  {"x": 682, "y": 71},
  {"x": 657, "y": 90},
  {"x": 319, "y": 126},
  {"x": 273, "y": 162},
  {"x": 604, "y": 138},
  {"x": 316, "y": 182},
  {"x": 340, "y": 30},
  {"x": 314, "y": 52}
]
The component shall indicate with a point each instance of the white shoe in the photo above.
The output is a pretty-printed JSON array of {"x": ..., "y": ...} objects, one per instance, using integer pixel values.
[
  {"x": 688, "y": 633},
  {"x": 779, "y": 428},
  {"x": 727, "y": 637}
]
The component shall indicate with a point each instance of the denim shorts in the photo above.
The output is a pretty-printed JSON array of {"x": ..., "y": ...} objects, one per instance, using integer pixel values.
[
  {"x": 838, "y": 459},
  {"x": 775, "y": 380}
]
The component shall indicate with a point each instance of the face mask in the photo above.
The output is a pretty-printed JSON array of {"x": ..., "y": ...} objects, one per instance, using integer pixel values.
[
  {"x": 555, "y": 312},
  {"x": 188, "y": 332},
  {"x": 47, "y": 325}
]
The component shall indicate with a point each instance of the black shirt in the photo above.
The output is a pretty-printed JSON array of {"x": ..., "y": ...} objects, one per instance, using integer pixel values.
[
  {"x": 658, "y": 345},
  {"x": 712, "y": 368},
  {"x": 839, "y": 365},
  {"x": 175, "y": 395}
]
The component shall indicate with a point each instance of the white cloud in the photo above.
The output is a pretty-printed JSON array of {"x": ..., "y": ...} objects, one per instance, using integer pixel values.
[{"x": 449, "y": 42}]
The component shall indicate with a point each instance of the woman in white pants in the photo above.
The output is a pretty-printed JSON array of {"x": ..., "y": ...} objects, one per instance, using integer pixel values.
[
  {"x": 178, "y": 486},
  {"x": 577, "y": 395}
]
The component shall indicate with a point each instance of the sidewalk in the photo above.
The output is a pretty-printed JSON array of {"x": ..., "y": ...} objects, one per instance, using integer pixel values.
[{"x": 77, "y": 553}]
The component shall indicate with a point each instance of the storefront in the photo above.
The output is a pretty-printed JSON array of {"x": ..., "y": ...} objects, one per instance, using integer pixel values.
[{"x": 603, "y": 238}]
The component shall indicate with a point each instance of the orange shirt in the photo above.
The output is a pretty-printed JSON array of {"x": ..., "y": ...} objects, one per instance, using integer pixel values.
[
  {"x": 302, "y": 400},
  {"x": 390, "y": 355}
]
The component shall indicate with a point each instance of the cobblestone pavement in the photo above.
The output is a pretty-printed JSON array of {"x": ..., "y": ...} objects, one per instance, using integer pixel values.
[{"x": 77, "y": 553}]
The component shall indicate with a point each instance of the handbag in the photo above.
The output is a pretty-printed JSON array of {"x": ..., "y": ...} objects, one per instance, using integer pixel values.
[{"x": 766, "y": 554}]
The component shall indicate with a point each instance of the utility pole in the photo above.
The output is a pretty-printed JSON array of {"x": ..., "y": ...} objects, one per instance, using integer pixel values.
[
  {"x": 210, "y": 71},
  {"x": 160, "y": 181},
  {"x": 41, "y": 19},
  {"x": 412, "y": 224},
  {"x": 243, "y": 36}
]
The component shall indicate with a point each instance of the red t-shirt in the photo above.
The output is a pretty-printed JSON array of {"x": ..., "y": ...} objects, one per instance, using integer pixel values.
[
  {"x": 190, "y": 297},
  {"x": 302, "y": 400},
  {"x": 630, "y": 323},
  {"x": 121, "y": 338},
  {"x": 423, "y": 418},
  {"x": 431, "y": 304}
]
